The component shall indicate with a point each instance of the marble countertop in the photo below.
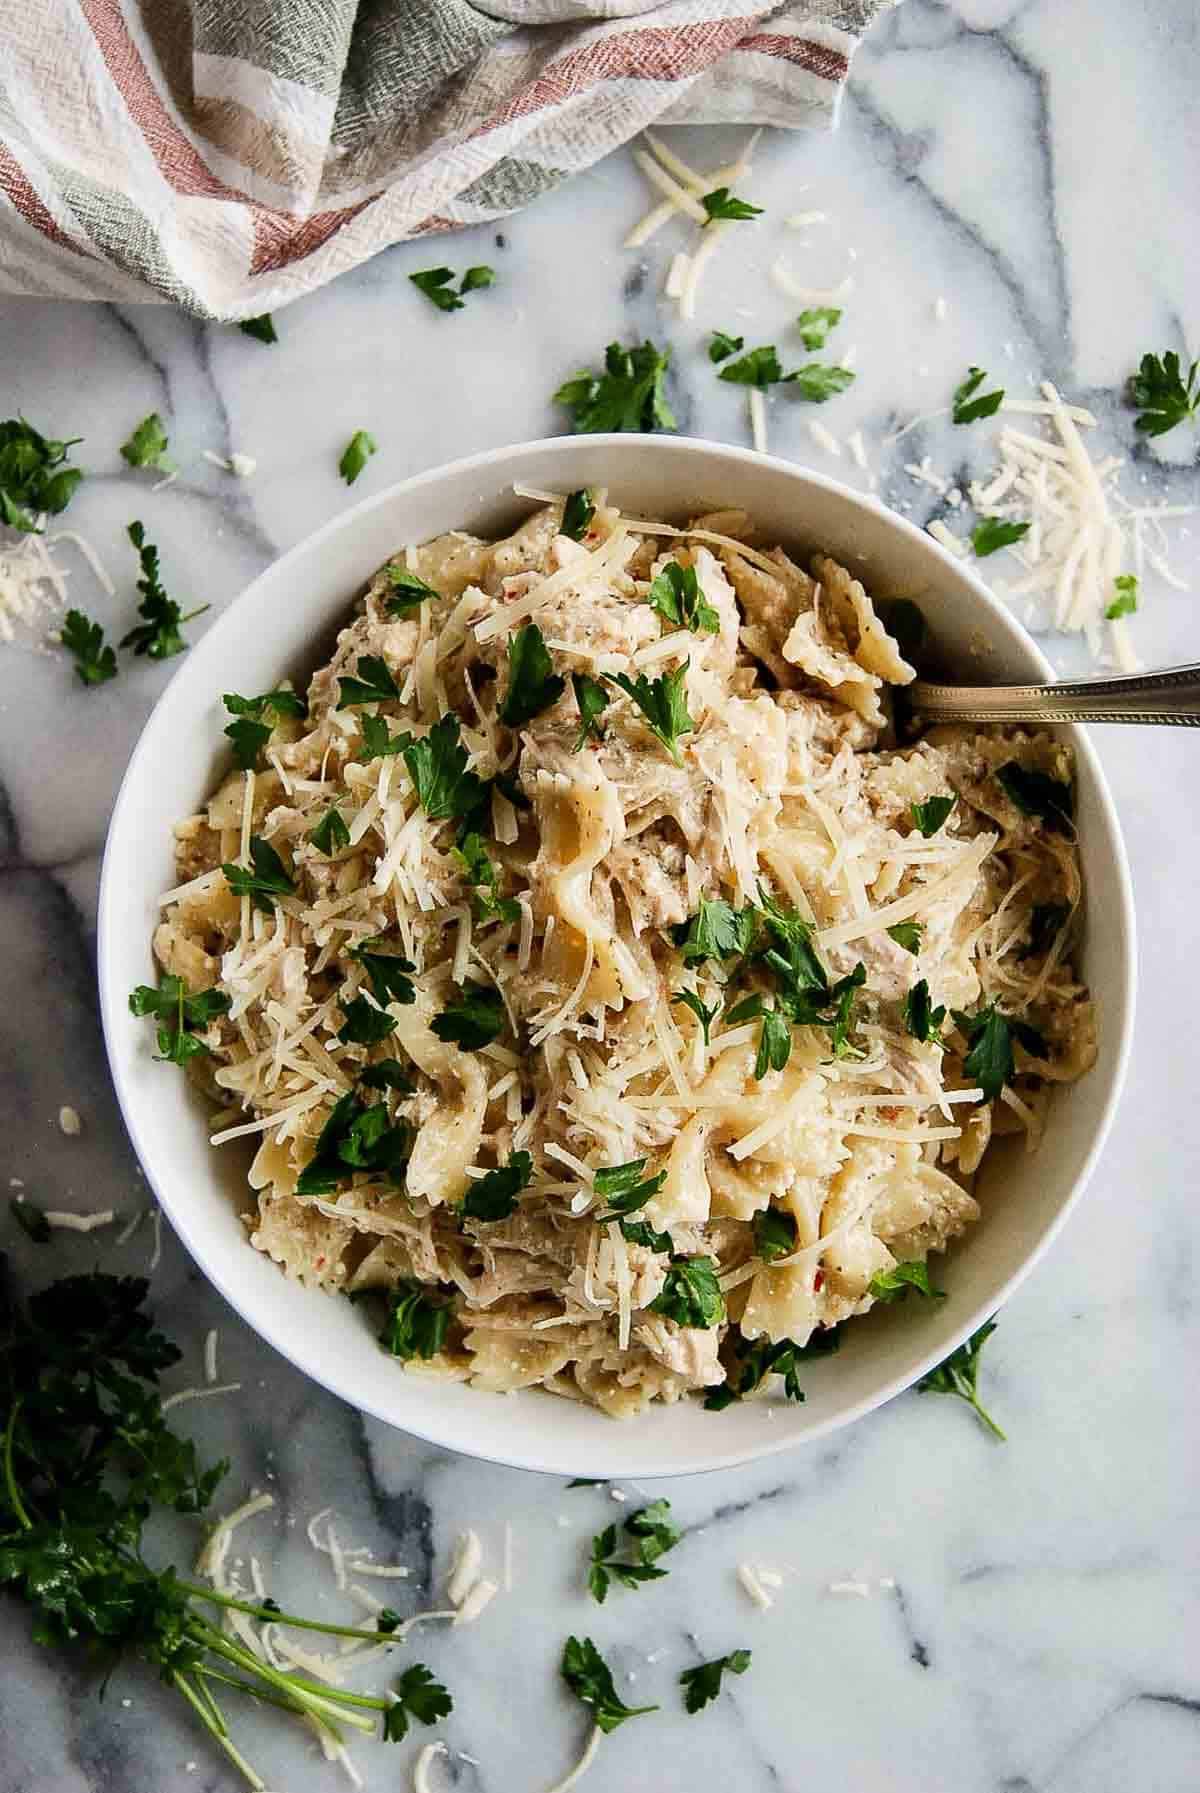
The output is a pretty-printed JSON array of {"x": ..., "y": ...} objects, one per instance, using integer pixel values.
[{"x": 1031, "y": 1622}]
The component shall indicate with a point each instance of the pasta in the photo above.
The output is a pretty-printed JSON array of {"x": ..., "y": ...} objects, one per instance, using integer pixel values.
[{"x": 633, "y": 1044}]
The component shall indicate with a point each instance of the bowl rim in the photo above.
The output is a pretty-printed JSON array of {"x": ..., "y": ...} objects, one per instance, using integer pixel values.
[{"x": 113, "y": 1011}]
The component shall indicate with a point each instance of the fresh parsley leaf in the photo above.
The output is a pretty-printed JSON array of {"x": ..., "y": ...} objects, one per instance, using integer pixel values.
[
  {"x": 774, "y": 1234},
  {"x": 578, "y": 511},
  {"x": 357, "y": 452},
  {"x": 990, "y": 1036},
  {"x": 922, "y": 1020},
  {"x": 959, "y": 1375},
  {"x": 373, "y": 682},
  {"x": 494, "y": 1196},
  {"x": 1037, "y": 794},
  {"x": 894, "y": 1284},
  {"x": 722, "y": 346},
  {"x": 249, "y": 733},
  {"x": 774, "y": 1042},
  {"x": 628, "y": 395},
  {"x": 691, "y": 1294},
  {"x": 663, "y": 703},
  {"x": 749, "y": 1009},
  {"x": 815, "y": 325},
  {"x": 365, "y": 1024},
  {"x": 248, "y": 740},
  {"x": 705, "y": 1016},
  {"x": 585, "y": 1481},
  {"x": 261, "y": 328},
  {"x": 793, "y": 958},
  {"x": 479, "y": 869},
  {"x": 590, "y": 1679},
  {"x": 702, "y": 1684},
  {"x": 1126, "y": 600},
  {"x": 759, "y": 1358},
  {"x": 1046, "y": 922},
  {"x": 84, "y": 639},
  {"x": 818, "y": 382},
  {"x": 761, "y": 368},
  {"x": 147, "y": 447},
  {"x": 841, "y": 997},
  {"x": 159, "y": 635},
  {"x": 376, "y": 741},
  {"x": 716, "y": 931},
  {"x": 1164, "y": 394},
  {"x": 930, "y": 815},
  {"x": 656, "y": 1531},
  {"x": 805, "y": 994},
  {"x": 676, "y": 594},
  {"x": 33, "y": 478},
  {"x": 606, "y": 1567},
  {"x": 908, "y": 935},
  {"x": 476, "y": 278},
  {"x": 180, "y": 1013},
  {"x": 967, "y": 408},
  {"x": 533, "y": 684},
  {"x": 640, "y": 1232},
  {"x": 32, "y": 1222},
  {"x": 416, "y": 1695},
  {"x": 592, "y": 699},
  {"x": 721, "y": 203},
  {"x": 475, "y": 1020},
  {"x": 624, "y": 1188},
  {"x": 418, "y": 1320},
  {"x": 267, "y": 879},
  {"x": 355, "y": 1137},
  {"x": 281, "y": 702},
  {"x": 331, "y": 833},
  {"x": 388, "y": 973},
  {"x": 437, "y": 284},
  {"x": 991, "y": 533},
  {"x": 437, "y": 766},
  {"x": 387, "y": 1074},
  {"x": 409, "y": 591}
]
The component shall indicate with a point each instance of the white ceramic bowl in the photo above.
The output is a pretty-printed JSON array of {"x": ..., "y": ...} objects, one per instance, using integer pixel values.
[{"x": 277, "y": 626}]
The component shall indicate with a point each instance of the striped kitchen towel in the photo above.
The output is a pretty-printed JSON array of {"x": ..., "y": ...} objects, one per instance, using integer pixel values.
[{"x": 230, "y": 155}]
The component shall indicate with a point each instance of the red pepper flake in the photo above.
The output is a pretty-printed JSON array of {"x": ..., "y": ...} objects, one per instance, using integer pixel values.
[{"x": 818, "y": 1282}]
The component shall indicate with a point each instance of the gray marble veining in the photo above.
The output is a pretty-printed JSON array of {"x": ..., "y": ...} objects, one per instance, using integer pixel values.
[{"x": 1036, "y": 165}]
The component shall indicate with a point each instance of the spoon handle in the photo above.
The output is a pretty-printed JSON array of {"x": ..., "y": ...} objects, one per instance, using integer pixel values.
[{"x": 1171, "y": 697}]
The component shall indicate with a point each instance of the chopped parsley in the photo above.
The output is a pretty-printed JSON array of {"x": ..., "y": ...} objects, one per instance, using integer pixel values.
[
  {"x": 1037, "y": 794},
  {"x": 818, "y": 382},
  {"x": 721, "y": 203},
  {"x": 992, "y": 533},
  {"x": 704, "y": 1015},
  {"x": 894, "y": 1284},
  {"x": 802, "y": 983},
  {"x": 640, "y": 1232},
  {"x": 371, "y": 683},
  {"x": 147, "y": 447},
  {"x": 408, "y": 592},
  {"x": 716, "y": 931},
  {"x": 387, "y": 1074},
  {"x": 814, "y": 325},
  {"x": 475, "y": 1020},
  {"x": 628, "y": 395},
  {"x": 261, "y": 328},
  {"x": 34, "y": 481},
  {"x": 761, "y": 368},
  {"x": 1126, "y": 600},
  {"x": 908, "y": 935},
  {"x": 675, "y": 593},
  {"x": 578, "y": 511},
  {"x": 959, "y": 1375},
  {"x": 590, "y": 1679},
  {"x": 760, "y": 1358},
  {"x": 331, "y": 833},
  {"x": 533, "y": 684},
  {"x": 606, "y": 1567},
  {"x": 376, "y": 741},
  {"x": 591, "y": 696},
  {"x": 248, "y": 733},
  {"x": 774, "y": 1041},
  {"x": 691, "y": 1294},
  {"x": 723, "y": 346},
  {"x": 624, "y": 1188},
  {"x": 84, "y": 640},
  {"x": 387, "y": 972},
  {"x": 159, "y": 635},
  {"x": 663, "y": 703},
  {"x": 494, "y": 1196},
  {"x": 267, "y": 879},
  {"x": 967, "y": 408},
  {"x": 922, "y": 1020},
  {"x": 990, "y": 1036},
  {"x": 30, "y": 1219},
  {"x": 930, "y": 815},
  {"x": 437, "y": 766},
  {"x": 1046, "y": 923},
  {"x": 365, "y": 1024},
  {"x": 355, "y": 1137},
  {"x": 703, "y": 1683},
  {"x": 357, "y": 452},
  {"x": 179, "y": 1013},
  {"x": 774, "y": 1234},
  {"x": 479, "y": 869},
  {"x": 415, "y": 1695},
  {"x": 437, "y": 284},
  {"x": 1163, "y": 394},
  {"x": 418, "y": 1320}
]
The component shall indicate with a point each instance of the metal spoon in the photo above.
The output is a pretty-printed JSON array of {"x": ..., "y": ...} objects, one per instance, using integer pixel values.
[{"x": 1171, "y": 696}]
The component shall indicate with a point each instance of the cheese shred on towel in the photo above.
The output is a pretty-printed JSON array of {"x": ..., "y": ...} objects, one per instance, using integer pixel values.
[{"x": 482, "y": 964}]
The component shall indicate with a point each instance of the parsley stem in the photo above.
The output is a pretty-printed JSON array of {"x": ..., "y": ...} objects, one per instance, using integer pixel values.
[
  {"x": 253, "y": 1778},
  {"x": 987, "y": 1419},
  {"x": 267, "y": 1694},
  {"x": 10, "y": 1480},
  {"x": 309, "y": 1694},
  {"x": 272, "y": 1615}
]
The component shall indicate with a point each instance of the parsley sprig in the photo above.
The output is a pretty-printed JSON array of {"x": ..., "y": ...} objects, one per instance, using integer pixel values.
[
  {"x": 591, "y": 695},
  {"x": 894, "y": 1284},
  {"x": 993, "y": 533},
  {"x": 756, "y": 1359},
  {"x": 533, "y": 684},
  {"x": 677, "y": 595},
  {"x": 494, "y": 1195},
  {"x": 1165, "y": 393},
  {"x": 721, "y": 203},
  {"x": 357, "y": 452},
  {"x": 84, "y": 640},
  {"x": 625, "y": 1189},
  {"x": 691, "y": 1294},
  {"x": 628, "y": 395},
  {"x": 415, "y": 1695},
  {"x": 703, "y": 1683},
  {"x": 159, "y": 634},
  {"x": 578, "y": 511},
  {"x": 476, "y": 1019},
  {"x": 654, "y": 1533},
  {"x": 716, "y": 931},
  {"x": 816, "y": 381},
  {"x": 1126, "y": 601},
  {"x": 437, "y": 765},
  {"x": 418, "y": 1320},
  {"x": 147, "y": 446},
  {"x": 34, "y": 478},
  {"x": 959, "y": 1375},
  {"x": 437, "y": 284},
  {"x": 356, "y": 1137},
  {"x": 590, "y": 1679},
  {"x": 261, "y": 328},
  {"x": 663, "y": 703},
  {"x": 480, "y": 870},
  {"x": 966, "y": 407},
  {"x": 990, "y": 1035},
  {"x": 181, "y": 1014},
  {"x": 248, "y": 732},
  {"x": 264, "y": 879}
]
